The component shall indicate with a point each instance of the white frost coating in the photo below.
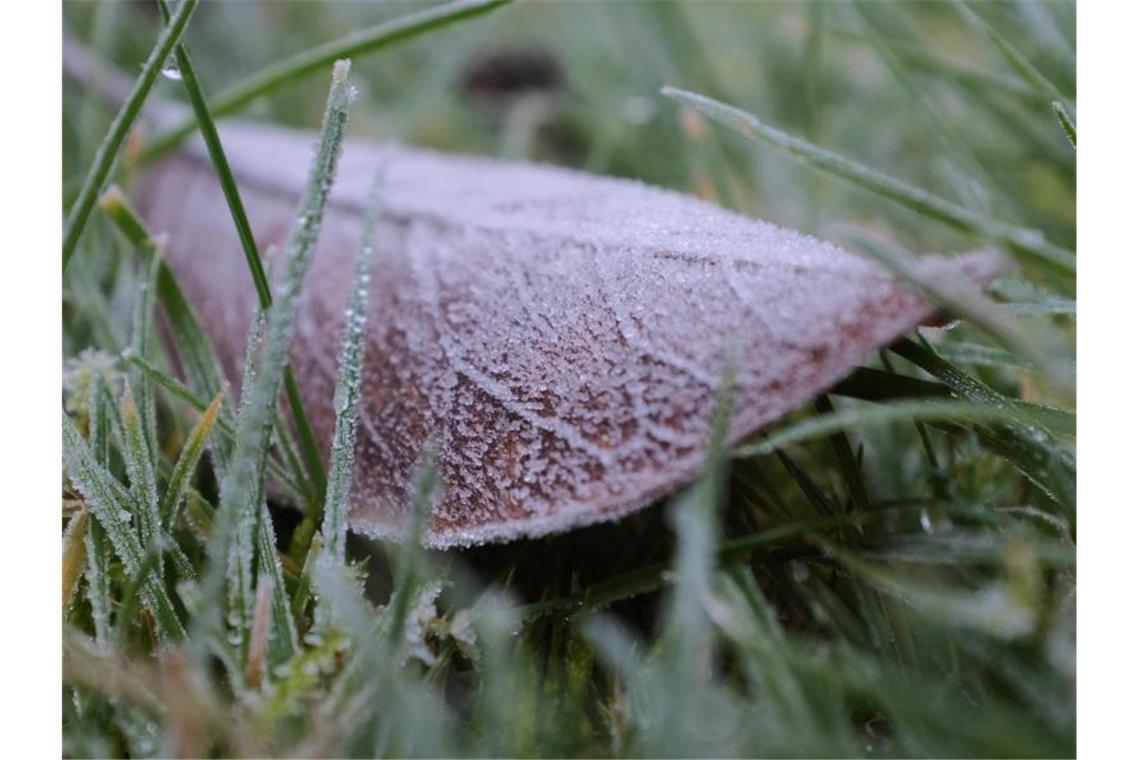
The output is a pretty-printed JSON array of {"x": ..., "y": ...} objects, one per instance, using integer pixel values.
[{"x": 557, "y": 337}]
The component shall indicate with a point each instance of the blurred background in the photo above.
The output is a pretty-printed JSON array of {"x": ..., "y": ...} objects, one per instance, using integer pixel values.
[{"x": 911, "y": 89}]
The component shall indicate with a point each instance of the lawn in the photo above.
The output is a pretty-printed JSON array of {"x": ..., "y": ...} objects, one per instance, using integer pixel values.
[{"x": 888, "y": 570}]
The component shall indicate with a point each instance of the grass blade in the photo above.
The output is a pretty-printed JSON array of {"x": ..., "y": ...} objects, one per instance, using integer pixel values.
[
  {"x": 187, "y": 461},
  {"x": 74, "y": 554},
  {"x": 249, "y": 248},
  {"x": 109, "y": 148},
  {"x": 960, "y": 296},
  {"x": 140, "y": 471},
  {"x": 311, "y": 61},
  {"x": 1019, "y": 240},
  {"x": 225, "y": 428},
  {"x": 1014, "y": 57},
  {"x": 109, "y": 509},
  {"x": 203, "y": 369},
  {"x": 346, "y": 398},
  {"x": 282, "y": 644},
  {"x": 240, "y": 490},
  {"x": 1019, "y": 438},
  {"x": 823, "y": 425},
  {"x": 1066, "y": 122}
]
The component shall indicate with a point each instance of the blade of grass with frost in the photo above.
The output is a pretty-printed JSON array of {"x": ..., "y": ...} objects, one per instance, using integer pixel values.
[
  {"x": 109, "y": 149},
  {"x": 294, "y": 67},
  {"x": 687, "y": 639},
  {"x": 1066, "y": 122},
  {"x": 822, "y": 425},
  {"x": 1023, "y": 241},
  {"x": 74, "y": 554},
  {"x": 249, "y": 248},
  {"x": 240, "y": 577},
  {"x": 103, "y": 501},
  {"x": 244, "y": 477},
  {"x": 201, "y": 364},
  {"x": 140, "y": 471},
  {"x": 225, "y": 429},
  {"x": 98, "y": 578},
  {"x": 187, "y": 461},
  {"x": 142, "y": 334},
  {"x": 346, "y": 398},
  {"x": 1014, "y": 57},
  {"x": 100, "y": 408},
  {"x": 979, "y": 355},
  {"x": 282, "y": 644},
  {"x": 1039, "y": 454},
  {"x": 197, "y": 354}
]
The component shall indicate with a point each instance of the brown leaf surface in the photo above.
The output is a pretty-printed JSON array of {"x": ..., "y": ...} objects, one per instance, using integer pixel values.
[{"x": 556, "y": 338}]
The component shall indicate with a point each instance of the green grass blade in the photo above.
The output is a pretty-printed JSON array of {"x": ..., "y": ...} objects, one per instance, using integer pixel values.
[
  {"x": 249, "y": 248},
  {"x": 872, "y": 16},
  {"x": 1014, "y": 57},
  {"x": 961, "y": 297},
  {"x": 1019, "y": 437},
  {"x": 823, "y": 425},
  {"x": 109, "y": 510},
  {"x": 98, "y": 575},
  {"x": 142, "y": 335},
  {"x": 140, "y": 470},
  {"x": 316, "y": 59},
  {"x": 1019, "y": 240},
  {"x": 282, "y": 643},
  {"x": 187, "y": 461},
  {"x": 241, "y": 488},
  {"x": 1066, "y": 122},
  {"x": 109, "y": 148},
  {"x": 346, "y": 398},
  {"x": 203, "y": 369},
  {"x": 225, "y": 428},
  {"x": 74, "y": 554}
]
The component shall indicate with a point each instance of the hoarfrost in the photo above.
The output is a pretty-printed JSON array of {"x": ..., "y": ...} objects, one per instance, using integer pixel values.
[{"x": 560, "y": 337}]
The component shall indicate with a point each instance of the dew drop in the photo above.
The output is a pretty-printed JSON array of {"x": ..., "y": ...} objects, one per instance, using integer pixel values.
[{"x": 171, "y": 71}]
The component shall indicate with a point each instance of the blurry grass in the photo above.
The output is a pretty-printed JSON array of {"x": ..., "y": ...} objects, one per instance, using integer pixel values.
[{"x": 888, "y": 573}]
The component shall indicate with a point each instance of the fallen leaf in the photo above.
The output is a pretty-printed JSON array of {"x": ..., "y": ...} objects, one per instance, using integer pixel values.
[{"x": 557, "y": 339}]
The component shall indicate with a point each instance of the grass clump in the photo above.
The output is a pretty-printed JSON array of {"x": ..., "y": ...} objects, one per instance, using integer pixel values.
[{"x": 891, "y": 571}]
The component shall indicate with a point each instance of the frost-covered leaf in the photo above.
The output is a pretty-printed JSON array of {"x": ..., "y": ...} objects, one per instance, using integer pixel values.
[{"x": 558, "y": 338}]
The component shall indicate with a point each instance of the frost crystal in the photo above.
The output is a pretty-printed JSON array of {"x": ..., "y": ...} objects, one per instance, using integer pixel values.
[{"x": 558, "y": 337}]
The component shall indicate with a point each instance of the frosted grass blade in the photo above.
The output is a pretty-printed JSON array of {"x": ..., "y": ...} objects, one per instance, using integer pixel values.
[
  {"x": 959, "y": 296},
  {"x": 1066, "y": 122},
  {"x": 109, "y": 149},
  {"x": 248, "y": 245},
  {"x": 1027, "y": 444},
  {"x": 334, "y": 527},
  {"x": 108, "y": 508},
  {"x": 140, "y": 470},
  {"x": 282, "y": 644},
  {"x": 74, "y": 554},
  {"x": 142, "y": 335},
  {"x": 177, "y": 389},
  {"x": 241, "y": 488},
  {"x": 187, "y": 461},
  {"x": 1023, "y": 241},
  {"x": 823, "y": 425}
]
